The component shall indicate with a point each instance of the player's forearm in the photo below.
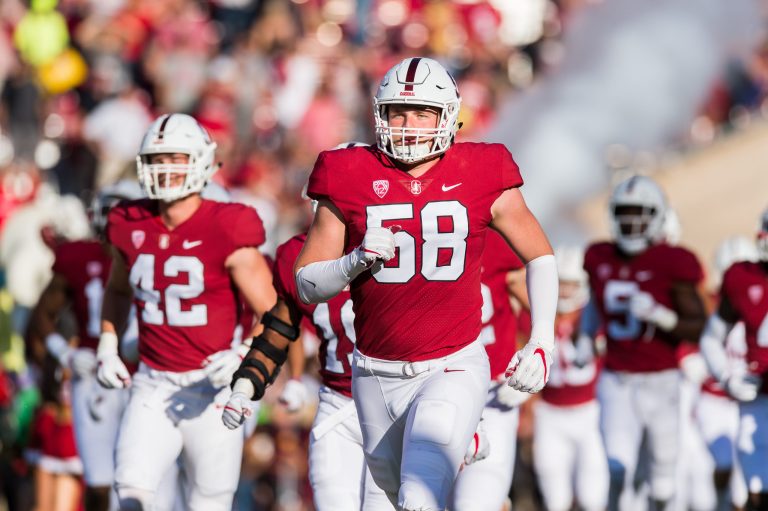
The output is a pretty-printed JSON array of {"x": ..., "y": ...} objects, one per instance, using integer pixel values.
[
  {"x": 296, "y": 359},
  {"x": 115, "y": 310},
  {"x": 319, "y": 282},
  {"x": 541, "y": 279},
  {"x": 712, "y": 345}
]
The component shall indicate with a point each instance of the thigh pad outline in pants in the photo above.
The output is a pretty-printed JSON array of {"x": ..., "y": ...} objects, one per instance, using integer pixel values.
[
  {"x": 441, "y": 423},
  {"x": 149, "y": 442}
]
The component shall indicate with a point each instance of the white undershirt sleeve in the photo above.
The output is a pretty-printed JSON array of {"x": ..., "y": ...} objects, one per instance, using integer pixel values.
[{"x": 541, "y": 279}]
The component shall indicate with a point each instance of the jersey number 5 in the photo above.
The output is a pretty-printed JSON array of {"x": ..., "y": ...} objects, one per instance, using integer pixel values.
[
  {"x": 434, "y": 240},
  {"x": 143, "y": 281}
]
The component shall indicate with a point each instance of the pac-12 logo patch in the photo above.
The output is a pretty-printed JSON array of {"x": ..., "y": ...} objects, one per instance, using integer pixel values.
[
  {"x": 381, "y": 187},
  {"x": 137, "y": 238}
]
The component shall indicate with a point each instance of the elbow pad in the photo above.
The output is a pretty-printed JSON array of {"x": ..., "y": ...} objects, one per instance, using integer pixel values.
[{"x": 541, "y": 279}]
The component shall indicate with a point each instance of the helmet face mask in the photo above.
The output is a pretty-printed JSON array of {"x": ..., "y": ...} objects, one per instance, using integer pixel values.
[
  {"x": 172, "y": 178},
  {"x": 418, "y": 83},
  {"x": 637, "y": 210}
]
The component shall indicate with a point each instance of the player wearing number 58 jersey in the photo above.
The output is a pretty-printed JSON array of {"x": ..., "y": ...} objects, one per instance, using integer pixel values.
[
  {"x": 647, "y": 296},
  {"x": 404, "y": 224},
  {"x": 185, "y": 262}
]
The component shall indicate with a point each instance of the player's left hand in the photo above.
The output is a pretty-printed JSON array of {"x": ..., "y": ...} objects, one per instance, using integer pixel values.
[
  {"x": 222, "y": 365},
  {"x": 294, "y": 395},
  {"x": 237, "y": 410},
  {"x": 644, "y": 307},
  {"x": 510, "y": 397},
  {"x": 479, "y": 447},
  {"x": 528, "y": 370}
]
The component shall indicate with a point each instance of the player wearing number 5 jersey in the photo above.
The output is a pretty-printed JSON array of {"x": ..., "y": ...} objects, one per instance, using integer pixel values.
[
  {"x": 647, "y": 297},
  {"x": 404, "y": 225},
  {"x": 182, "y": 260}
]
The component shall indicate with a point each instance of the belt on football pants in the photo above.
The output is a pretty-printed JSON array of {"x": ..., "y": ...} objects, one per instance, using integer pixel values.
[
  {"x": 391, "y": 367},
  {"x": 333, "y": 420}
]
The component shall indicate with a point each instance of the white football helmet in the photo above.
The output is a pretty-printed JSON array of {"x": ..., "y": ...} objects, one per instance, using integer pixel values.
[
  {"x": 417, "y": 81},
  {"x": 637, "y": 209},
  {"x": 109, "y": 196},
  {"x": 574, "y": 287},
  {"x": 762, "y": 237},
  {"x": 170, "y": 134},
  {"x": 733, "y": 250}
]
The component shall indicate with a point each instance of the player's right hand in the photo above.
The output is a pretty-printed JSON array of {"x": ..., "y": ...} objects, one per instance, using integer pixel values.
[
  {"x": 112, "y": 373},
  {"x": 743, "y": 387},
  {"x": 237, "y": 409},
  {"x": 378, "y": 244}
]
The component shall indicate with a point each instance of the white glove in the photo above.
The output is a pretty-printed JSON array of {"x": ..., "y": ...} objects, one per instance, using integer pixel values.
[
  {"x": 112, "y": 373},
  {"x": 510, "y": 397},
  {"x": 742, "y": 387},
  {"x": 82, "y": 361},
  {"x": 479, "y": 448},
  {"x": 528, "y": 370},
  {"x": 644, "y": 307},
  {"x": 238, "y": 408},
  {"x": 378, "y": 244},
  {"x": 222, "y": 365},
  {"x": 694, "y": 368},
  {"x": 294, "y": 395}
]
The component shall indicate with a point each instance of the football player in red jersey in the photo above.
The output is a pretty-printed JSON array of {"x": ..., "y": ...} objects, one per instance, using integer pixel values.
[
  {"x": 183, "y": 261},
  {"x": 404, "y": 224},
  {"x": 80, "y": 271},
  {"x": 568, "y": 453},
  {"x": 744, "y": 298},
  {"x": 648, "y": 298}
]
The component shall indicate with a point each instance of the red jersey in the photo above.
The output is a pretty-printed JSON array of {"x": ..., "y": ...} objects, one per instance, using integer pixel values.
[
  {"x": 185, "y": 301},
  {"x": 499, "y": 329},
  {"x": 85, "y": 266},
  {"x": 332, "y": 320},
  {"x": 568, "y": 384},
  {"x": 424, "y": 303},
  {"x": 633, "y": 345},
  {"x": 745, "y": 286}
]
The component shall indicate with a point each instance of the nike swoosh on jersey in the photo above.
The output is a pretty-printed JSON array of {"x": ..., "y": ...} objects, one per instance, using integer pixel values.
[
  {"x": 186, "y": 244},
  {"x": 446, "y": 370},
  {"x": 449, "y": 188}
]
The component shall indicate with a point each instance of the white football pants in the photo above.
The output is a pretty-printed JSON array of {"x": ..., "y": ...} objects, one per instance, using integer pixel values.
[
  {"x": 171, "y": 415},
  {"x": 568, "y": 455},
  {"x": 338, "y": 474},
  {"x": 485, "y": 484},
  {"x": 633, "y": 403},
  {"x": 417, "y": 420}
]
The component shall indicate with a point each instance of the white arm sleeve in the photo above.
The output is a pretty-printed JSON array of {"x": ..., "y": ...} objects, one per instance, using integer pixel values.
[
  {"x": 712, "y": 346},
  {"x": 541, "y": 279},
  {"x": 319, "y": 282}
]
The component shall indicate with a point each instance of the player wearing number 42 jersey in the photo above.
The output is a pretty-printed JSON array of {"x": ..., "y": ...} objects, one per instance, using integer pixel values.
[
  {"x": 404, "y": 224},
  {"x": 177, "y": 256},
  {"x": 647, "y": 297}
]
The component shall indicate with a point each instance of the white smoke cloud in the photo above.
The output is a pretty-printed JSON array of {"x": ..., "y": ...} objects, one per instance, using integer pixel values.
[{"x": 635, "y": 72}]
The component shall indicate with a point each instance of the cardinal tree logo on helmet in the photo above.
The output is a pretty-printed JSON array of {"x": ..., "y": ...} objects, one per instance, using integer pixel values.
[{"x": 381, "y": 187}]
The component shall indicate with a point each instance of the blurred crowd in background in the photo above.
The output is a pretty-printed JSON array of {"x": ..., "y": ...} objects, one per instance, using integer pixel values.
[{"x": 274, "y": 82}]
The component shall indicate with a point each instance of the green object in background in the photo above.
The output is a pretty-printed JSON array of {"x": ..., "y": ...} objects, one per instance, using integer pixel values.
[
  {"x": 42, "y": 33},
  {"x": 24, "y": 406}
]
